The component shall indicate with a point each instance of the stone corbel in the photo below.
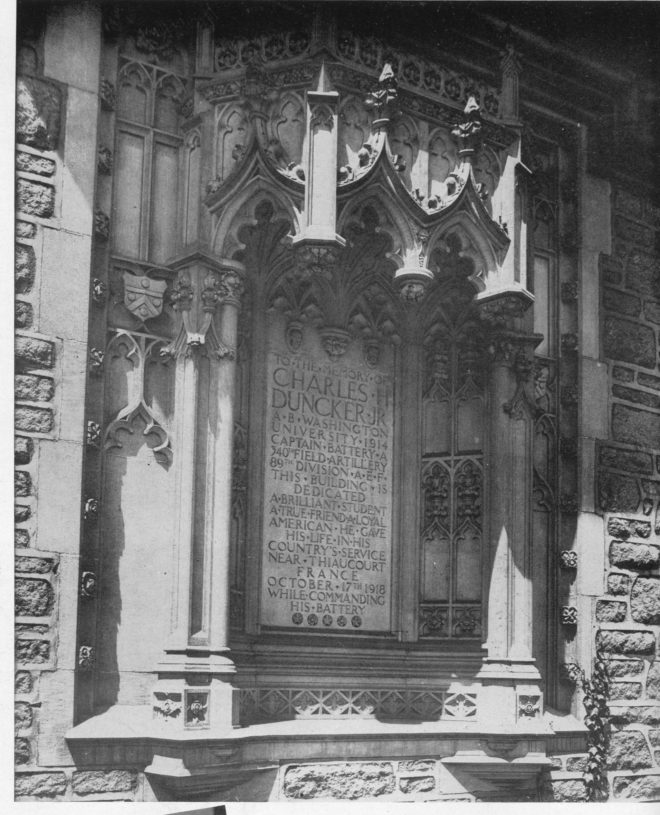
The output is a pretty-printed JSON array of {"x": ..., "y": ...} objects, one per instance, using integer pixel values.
[
  {"x": 413, "y": 277},
  {"x": 199, "y": 288}
]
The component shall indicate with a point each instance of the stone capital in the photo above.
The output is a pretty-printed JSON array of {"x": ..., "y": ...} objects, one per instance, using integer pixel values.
[{"x": 504, "y": 309}]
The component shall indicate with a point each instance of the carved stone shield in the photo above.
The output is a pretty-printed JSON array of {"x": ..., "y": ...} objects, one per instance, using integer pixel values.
[{"x": 143, "y": 296}]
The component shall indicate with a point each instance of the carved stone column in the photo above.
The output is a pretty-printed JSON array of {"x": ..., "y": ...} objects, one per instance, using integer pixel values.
[
  {"x": 509, "y": 673},
  {"x": 194, "y": 690}
]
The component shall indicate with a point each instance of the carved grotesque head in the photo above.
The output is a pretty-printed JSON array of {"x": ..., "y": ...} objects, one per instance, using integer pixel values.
[
  {"x": 294, "y": 336},
  {"x": 372, "y": 354}
]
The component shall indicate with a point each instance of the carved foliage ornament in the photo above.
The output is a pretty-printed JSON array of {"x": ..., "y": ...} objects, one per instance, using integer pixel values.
[
  {"x": 96, "y": 358},
  {"x": 197, "y": 303},
  {"x": 322, "y": 116},
  {"x": 88, "y": 585},
  {"x": 101, "y": 225},
  {"x": 104, "y": 160},
  {"x": 91, "y": 510},
  {"x": 86, "y": 657},
  {"x": 99, "y": 291},
  {"x": 93, "y": 436},
  {"x": 107, "y": 95}
]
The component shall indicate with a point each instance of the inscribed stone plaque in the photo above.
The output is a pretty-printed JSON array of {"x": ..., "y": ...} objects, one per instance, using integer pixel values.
[{"x": 327, "y": 549}]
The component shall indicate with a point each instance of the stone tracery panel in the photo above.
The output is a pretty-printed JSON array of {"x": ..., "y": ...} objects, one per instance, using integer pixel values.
[
  {"x": 354, "y": 130},
  {"x": 451, "y": 484}
]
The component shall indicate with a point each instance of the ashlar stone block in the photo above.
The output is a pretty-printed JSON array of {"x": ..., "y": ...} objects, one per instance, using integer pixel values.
[
  {"x": 34, "y": 352},
  {"x": 23, "y": 314},
  {"x": 625, "y": 527},
  {"x": 625, "y": 690},
  {"x": 618, "y": 583},
  {"x": 611, "y": 611},
  {"x": 33, "y": 388},
  {"x": 33, "y": 419},
  {"x": 636, "y": 396},
  {"x": 638, "y": 788},
  {"x": 624, "y": 667},
  {"x": 645, "y": 600},
  {"x": 626, "y": 642},
  {"x": 632, "y": 460},
  {"x": 32, "y": 651},
  {"x": 25, "y": 267},
  {"x": 417, "y": 784},
  {"x": 567, "y": 791},
  {"x": 33, "y": 198},
  {"x": 33, "y": 597},
  {"x": 628, "y": 555},
  {"x": 628, "y": 751},
  {"x": 617, "y": 493},
  {"x": 344, "y": 781},
  {"x": 653, "y": 687},
  {"x": 45, "y": 785},
  {"x": 629, "y": 341},
  {"x": 91, "y": 782},
  {"x": 38, "y": 113}
]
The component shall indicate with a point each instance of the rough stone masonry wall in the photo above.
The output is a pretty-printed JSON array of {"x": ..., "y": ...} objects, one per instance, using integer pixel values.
[
  {"x": 628, "y": 615},
  {"x": 56, "y": 122}
]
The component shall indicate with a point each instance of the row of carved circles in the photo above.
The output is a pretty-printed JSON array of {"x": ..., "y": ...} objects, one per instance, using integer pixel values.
[
  {"x": 236, "y": 53},
  {"x": 416, "y": 72}
]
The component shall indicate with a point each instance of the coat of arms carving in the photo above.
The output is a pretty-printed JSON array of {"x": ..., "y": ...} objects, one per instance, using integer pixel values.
[{"x": 143, "y": 296}]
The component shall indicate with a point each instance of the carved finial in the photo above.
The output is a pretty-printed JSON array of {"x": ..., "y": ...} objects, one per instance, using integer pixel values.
[
  {"x": 468, "y": 132},
  {"x": 386, "y": 74},
  {"x": 510, "y": 68},
  {"x": 384, "y": 96}
]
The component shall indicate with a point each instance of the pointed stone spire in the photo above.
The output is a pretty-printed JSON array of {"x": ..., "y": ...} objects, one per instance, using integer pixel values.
[
  {"x": 510, "y": 70},
  {"x": 323, "y": 84}
]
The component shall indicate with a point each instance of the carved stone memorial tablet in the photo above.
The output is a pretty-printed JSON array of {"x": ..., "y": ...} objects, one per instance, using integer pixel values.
[{"x": 327, "y": 549}]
